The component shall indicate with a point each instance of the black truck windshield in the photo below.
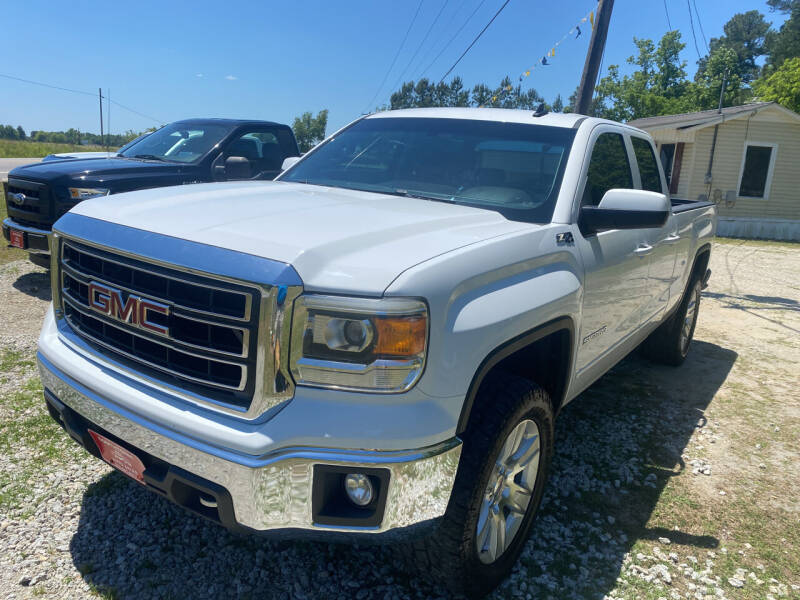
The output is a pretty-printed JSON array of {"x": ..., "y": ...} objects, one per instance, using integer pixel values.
[
  {"x": 178, "y": 142},
  {"x": 512, "y": 168}
]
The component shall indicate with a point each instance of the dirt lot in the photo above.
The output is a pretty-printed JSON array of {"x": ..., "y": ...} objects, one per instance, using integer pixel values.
[{"x": 667, "y": 483}]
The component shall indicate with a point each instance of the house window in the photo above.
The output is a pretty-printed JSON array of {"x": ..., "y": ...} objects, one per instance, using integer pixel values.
[{"x": 757, "y": 164}]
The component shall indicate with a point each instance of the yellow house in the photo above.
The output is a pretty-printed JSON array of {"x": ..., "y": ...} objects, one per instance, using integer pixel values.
[{"x": 746, "y": 159}]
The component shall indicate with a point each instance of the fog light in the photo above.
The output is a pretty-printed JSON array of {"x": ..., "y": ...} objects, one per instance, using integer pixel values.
[{"x": 358, "y": 488}]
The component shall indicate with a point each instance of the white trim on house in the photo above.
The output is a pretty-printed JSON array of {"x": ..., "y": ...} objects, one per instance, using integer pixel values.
[
  {"x": 770, "y": 169},
  {"x": 784, "y": 230}
]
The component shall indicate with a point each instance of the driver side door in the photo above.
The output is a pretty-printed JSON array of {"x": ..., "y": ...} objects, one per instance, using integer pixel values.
[{"x": 616, "y": 264}]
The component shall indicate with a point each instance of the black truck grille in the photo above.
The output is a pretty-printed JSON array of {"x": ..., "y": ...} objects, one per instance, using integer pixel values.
[
  {"x": 203, "y": 337},
  {"x": 29, "y": 203}
]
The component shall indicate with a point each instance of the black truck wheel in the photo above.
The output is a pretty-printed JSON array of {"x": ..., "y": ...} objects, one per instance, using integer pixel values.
[
  {"x": 507, "y": 450},
  {"x": 669, "y": 344}
]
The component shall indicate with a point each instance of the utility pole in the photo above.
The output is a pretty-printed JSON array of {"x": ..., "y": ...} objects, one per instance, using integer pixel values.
[
  {"x": 594, "y": 56},
  {"x": 108, "y": 116},
  {"x": 709, "y": 177},
  {"x": 100, "y": 94}
]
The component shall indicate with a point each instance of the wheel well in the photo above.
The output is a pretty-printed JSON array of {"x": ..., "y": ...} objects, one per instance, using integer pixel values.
[
  {"x": 542, "y": 356},
  {"x": 701, "y": 260}
]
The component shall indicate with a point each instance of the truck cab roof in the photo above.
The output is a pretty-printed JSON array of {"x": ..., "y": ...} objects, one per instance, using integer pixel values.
[
  {"x": 502, "y": 115},
  {"x": 230, "y": 122}
]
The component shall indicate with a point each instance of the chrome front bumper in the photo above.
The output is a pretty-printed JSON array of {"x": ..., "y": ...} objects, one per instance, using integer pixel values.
[{"x": 274, "y": 491}]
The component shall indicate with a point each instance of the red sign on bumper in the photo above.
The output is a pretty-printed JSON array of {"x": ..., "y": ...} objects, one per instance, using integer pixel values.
[
  {"x": 118, "y": 457},
  {"x": 17, "y": 238}
]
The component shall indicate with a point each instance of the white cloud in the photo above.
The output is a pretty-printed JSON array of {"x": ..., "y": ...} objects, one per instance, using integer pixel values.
[
  {"x": 199, "y": 75},
  {"x": 231, "y": 77}
]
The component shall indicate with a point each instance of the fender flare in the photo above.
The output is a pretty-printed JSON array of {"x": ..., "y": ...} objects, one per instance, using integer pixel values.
[{"x": 507, "y": 349}]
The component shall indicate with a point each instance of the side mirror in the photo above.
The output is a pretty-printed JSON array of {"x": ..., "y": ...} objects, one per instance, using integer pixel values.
[
  {"x": 289, "y": 162},
  {"x": 237, "y": 167},
  {"x": 626, "y": 209}
]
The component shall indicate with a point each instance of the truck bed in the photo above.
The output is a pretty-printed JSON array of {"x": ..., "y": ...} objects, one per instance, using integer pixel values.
[{"x": 681, "y": 205}]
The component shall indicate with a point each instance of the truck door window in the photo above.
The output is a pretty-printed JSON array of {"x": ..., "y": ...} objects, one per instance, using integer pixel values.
[
  {"x": 648, "y": 167},
  {"x": 608, "y": 168},
  {"x": 262, "y": 148}
]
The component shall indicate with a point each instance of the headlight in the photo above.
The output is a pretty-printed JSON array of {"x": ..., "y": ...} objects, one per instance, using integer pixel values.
[
  {"x": 86, "y": 193},
  {"x": 358, "y": 343}
]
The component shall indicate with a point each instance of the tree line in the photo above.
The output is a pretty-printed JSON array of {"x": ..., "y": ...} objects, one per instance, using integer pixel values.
[
  {"x": 659, "y": 84},
  {"x": 70, "y": 136}
]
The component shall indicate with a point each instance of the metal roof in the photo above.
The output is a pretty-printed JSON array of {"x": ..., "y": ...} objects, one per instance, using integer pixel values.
[{"x": 704, "y": 118}]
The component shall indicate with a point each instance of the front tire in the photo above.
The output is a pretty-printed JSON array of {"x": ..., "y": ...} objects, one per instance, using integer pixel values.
[{"x": 508, "y": 446}]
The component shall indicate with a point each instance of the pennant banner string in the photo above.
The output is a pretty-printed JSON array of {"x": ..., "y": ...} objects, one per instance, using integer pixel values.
[{"x": 574, "y": 33}]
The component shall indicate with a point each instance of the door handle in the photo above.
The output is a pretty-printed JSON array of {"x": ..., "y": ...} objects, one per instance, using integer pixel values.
[
  {"x": 643, "y": 250},
  {"x": 672, "y": 237}
]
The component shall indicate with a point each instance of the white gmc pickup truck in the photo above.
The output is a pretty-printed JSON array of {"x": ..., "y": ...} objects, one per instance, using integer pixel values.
[{"x": 376, "y": 344}]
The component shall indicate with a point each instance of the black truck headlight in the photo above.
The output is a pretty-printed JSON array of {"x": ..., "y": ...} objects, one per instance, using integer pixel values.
[
  {"x": 86, "y": 193},
  {"x": 361, "y": 344}
]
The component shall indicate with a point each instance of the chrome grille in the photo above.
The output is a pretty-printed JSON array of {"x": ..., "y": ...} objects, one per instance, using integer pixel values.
[{"x": 212, "y": 324}]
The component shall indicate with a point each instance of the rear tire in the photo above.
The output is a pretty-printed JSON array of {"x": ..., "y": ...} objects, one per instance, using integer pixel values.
[
  {"x": 508, "y": 446},
  {"x": 669, "y": 344}
]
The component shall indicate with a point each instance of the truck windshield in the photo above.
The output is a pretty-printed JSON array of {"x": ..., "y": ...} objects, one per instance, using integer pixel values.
[
  {"x": 511, "y": 168},
  {"x": 178, "y": 142}
]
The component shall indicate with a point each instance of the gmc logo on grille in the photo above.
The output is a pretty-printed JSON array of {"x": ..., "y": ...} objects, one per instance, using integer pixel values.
[{"x": 135, "y": 310}]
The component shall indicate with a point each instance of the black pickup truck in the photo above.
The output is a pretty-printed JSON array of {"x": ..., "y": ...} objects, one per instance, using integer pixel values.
[{"x": 191, "y": 151}]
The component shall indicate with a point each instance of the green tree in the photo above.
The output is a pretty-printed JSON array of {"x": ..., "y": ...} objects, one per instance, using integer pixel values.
[
  {"x": 669, "y": 76},
  {"x": 20, "y": 132},
  {"x": 8, "y": 132},
  {"x": 657, "y": 86},
  {"x": 781, "y": 86},
  {"x": 746, "y": 35},
  {"x": 310, "y": 130},
  {"x": 784, "y": 43},
  {"x": 722, "y": 64},
  {"x": 424, "y": 93}
]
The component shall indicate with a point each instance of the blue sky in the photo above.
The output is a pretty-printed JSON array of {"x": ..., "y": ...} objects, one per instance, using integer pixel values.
[{"x": 275, "y": 60}]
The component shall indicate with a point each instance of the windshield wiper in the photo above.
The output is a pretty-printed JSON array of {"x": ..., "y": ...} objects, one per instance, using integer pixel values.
[
  {"x": 149, "y": 157},
  {"x": 423, "y": 196}
]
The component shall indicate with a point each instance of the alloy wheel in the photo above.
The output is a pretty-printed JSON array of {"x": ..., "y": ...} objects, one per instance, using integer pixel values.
[{"x": 508, "y": 492}]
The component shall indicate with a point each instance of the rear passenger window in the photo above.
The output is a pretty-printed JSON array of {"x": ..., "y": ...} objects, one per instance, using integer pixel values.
[
  {"x": 608, "y": 168},
  {"x": 648, "y": 167}
]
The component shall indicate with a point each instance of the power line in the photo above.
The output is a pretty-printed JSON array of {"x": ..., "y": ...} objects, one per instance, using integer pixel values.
[
  {"x": 666, "y": 10},
  {"x": 691, "y": 20},
  {"x": 82, "y": 92},
  {"x": 394, "y": 60},
  {"x": 136, "y": 112},
  {"x": 477, "y": 37},
  {"x": 440, "y": 38},
  {"x": 699, "y": 22},
  {"x": 47, "y": 85},
  {"x": 452, "y": 39},
  {"x": 422, "y": 43}
]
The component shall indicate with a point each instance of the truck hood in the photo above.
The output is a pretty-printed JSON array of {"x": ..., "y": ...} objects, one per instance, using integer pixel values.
[
  {"x": 338, "y": 240},
  {"x": 96, "y": 168}
]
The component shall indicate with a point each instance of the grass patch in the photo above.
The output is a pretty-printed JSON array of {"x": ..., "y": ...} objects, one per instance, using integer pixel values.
[
  {"x": 27, "y": 149},
  {"x": 33, "y": 441},
  {"x": 11, "y": 359}
]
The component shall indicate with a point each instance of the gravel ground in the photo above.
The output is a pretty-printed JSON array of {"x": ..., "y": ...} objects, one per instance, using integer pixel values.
[{"x": 665, "y": 484}]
